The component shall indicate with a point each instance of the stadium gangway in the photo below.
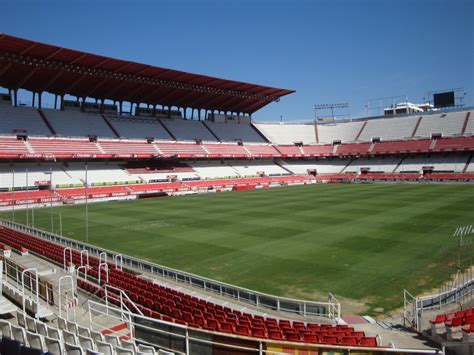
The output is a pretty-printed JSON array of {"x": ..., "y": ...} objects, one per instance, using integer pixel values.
[
  {"x": 184, "y": 340},
  {"x": 329, "y": 309}
]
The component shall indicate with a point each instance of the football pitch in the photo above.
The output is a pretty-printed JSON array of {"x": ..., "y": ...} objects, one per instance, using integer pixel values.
[{"x": 364, "y": 243}]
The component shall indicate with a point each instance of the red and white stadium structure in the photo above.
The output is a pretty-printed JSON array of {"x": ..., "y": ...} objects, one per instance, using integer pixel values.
[{"x": 185, "y": 133}]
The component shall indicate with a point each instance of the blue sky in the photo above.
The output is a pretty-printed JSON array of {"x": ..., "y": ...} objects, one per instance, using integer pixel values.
[{"x": 328, "y": 51}]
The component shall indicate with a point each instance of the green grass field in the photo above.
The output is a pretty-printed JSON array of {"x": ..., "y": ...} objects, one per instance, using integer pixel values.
[{"x": 364, "y": 243}]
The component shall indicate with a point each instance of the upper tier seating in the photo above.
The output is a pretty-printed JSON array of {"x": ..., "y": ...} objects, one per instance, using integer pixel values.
[
  {"x": 232, "y": 131},
  {"x": 62, "y": 147},
  {"x": 345, "y": 132},
  {"x": 286, "y": 134},
  {"x": 74, "y": 123},
  {"x": 12, "y": 146},
  {"x": 182, "y": 150},
  {"x": 21, "y": 120},
  {"x": 137, "y": 127},
  {"x": 128, "y": 148},
  {"x": 163, "y": 303},
  {"x": 389, "y": 128},
  {"x": 448, "y": 124},
  {"x": 469, "y": 131},
  {"x": 188, "y": 130},
  {"x": 226, "y": 150}
]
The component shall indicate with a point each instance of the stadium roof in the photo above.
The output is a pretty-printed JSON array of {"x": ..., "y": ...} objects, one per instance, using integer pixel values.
[{"x": 40, "y": 67}]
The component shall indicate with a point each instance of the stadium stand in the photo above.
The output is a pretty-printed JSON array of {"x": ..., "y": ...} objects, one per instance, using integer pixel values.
[
  {"x": 138, "y": 127},
  {"x": 326, "y": 166},
  {"x": 447, "y": 124},
  {"x": 388, "y": 129},
  {"x": 226, "y": 150},
  {"x": 188, "y": 130},
  {"x": 21, "y": 120},
  {"x": 167, "y": 304},
  {"x": 232, "y": 131},
  {"x": 128, "y": 148},
  {"x": 379, "y": 165},
  {"x": 288, "y": 134},
  {"x": 344, "y": 132},
  {"x": 11, "y": 147},
  {"x": 436, "y": 163},
  {"x": 63, "y": 147},
  {"x": 73, "y": 123}
]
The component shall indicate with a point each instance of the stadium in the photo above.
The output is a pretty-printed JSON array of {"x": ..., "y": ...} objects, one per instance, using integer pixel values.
[{"x": 146, "y": 211}]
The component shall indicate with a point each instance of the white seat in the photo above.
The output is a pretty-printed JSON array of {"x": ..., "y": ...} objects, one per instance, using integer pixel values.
[
  {"x": 122, "y": 351},
  {"x": 145, "y": 349},
  {"x": 72, "y": 327},
  {"x": 19, "y": 334},
  {"x": 21, "y": 318},
  {"x": 97, "y": 336},
  {"x": 31, "y": 324},
  {"x": 164, "y": 352},
  {"x": 54, "y": 346},
  {"x": 70, "y": 338},
  {"x": 41, "y": 329},
  {"x": 86, "y": 342},
  {"x": 85, "y": 332},
  {"x": 54, "y": 333},
  {"x": 72, "y": 349},
  {"x": 62, "y": 323},
  {"x": 129, "y": 345},
  {"x": 5, "y": 328},
  {"x": 112, "y": 339},
  {"x": 36, "y": 341},
  {"x": 104, "y": 348}
]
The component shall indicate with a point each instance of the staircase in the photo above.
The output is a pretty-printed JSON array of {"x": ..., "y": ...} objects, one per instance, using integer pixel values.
[
  {"x": 466, "y": 121},
  {"x": 433, "y": 144},
  {"x": 29, "y": 147},
  {"x": 112, "y": 128},
  {"x": 279, "y": 163},
  {"x": 416, "y": 126},
  {"x": 346, "y": 166},
  {"x": 399, "y": 163},
  {"x": 360, "y": 132},
  {"x": 47, "y": 123},
  {"x": 467, "y": 164},
  {"x": 210, "y": 130},
  {"x": 166, "y": 129}
]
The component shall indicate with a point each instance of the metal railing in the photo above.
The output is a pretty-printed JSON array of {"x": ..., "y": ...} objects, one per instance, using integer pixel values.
[
  {"x": 183, "y": 340},
  {"x": 330, "y": 309}
]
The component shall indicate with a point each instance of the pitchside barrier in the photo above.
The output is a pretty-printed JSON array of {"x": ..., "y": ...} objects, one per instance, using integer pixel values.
[
  {"x": 330, "y": 309},
  {"x": 183, "y": 340},
  {"x": 459, "y": 290}
]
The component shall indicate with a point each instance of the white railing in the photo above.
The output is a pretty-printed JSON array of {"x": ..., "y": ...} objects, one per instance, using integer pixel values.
[
  {"x": 183, "y": 340},
  {"x": 330, "y": 309}
]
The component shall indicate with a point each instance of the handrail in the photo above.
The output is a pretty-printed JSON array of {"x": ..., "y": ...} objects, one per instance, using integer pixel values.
[
  {"x": 256, "y": 298},
  {"x": 36, "y": 287},
  {"x": 197, "y": 336}
]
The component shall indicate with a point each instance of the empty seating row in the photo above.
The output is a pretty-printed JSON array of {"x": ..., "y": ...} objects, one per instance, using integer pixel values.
[
  {"x": 163, "y": 303},
  {"x": 80, "y": 148}
]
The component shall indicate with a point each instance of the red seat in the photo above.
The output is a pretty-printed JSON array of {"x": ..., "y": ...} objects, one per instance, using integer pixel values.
[
  {"x": 258, "y": 332},
  {"x": 441, "y": 318},
  {"x": 311, "y": 338},
  {"x": 242, "y": 330},
  {"x": 369, "y": 342},
  {"x": 292, "y": 337},
  {"x": 330, "y": 340},
  {"x": 275, "y": 335},
  {"x": 349, "y": 341}
]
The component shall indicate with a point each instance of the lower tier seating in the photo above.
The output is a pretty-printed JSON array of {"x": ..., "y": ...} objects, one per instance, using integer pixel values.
[{"x": 163, "y": 303}]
